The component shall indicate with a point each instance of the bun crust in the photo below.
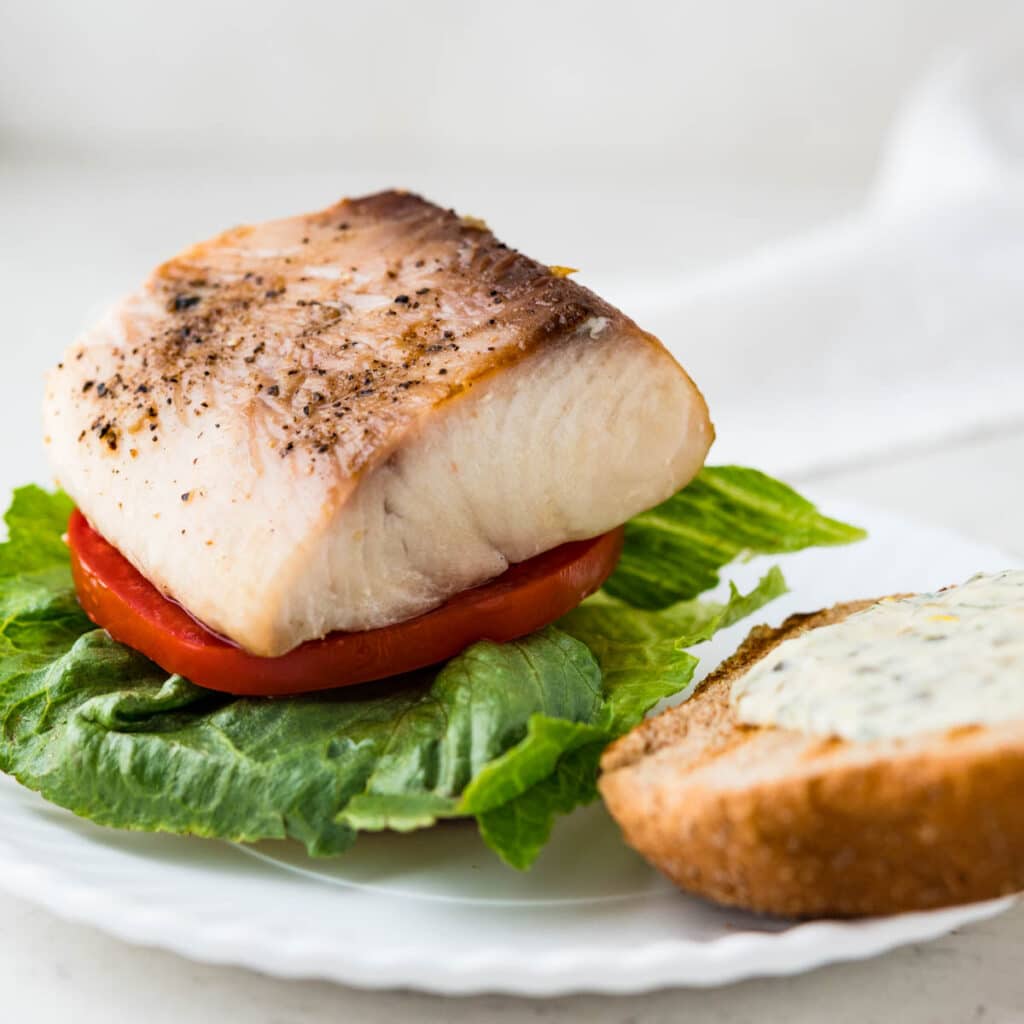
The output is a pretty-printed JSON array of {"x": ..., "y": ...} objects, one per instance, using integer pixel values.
[{"x": 785, "y": 823}]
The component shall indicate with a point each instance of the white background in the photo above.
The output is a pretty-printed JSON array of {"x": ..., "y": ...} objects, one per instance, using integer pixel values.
[{"x": 640, "y": 141}]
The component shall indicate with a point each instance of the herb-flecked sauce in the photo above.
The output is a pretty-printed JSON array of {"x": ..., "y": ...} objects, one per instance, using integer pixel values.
[{"x": 903, "y": 666}]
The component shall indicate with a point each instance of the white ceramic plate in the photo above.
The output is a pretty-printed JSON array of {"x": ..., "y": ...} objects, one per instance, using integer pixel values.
[{"x": 435, "y": 910}]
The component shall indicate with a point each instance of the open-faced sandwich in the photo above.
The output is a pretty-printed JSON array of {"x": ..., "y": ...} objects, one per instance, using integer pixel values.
[{"x": 371, "y": 445}]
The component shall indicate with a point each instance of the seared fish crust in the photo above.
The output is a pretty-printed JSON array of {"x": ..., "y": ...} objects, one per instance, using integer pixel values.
[{"x": 337, "y": 421}]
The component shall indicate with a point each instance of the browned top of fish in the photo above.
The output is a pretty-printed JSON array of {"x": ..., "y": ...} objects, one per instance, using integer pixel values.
[{"x": 333, "y": 330}]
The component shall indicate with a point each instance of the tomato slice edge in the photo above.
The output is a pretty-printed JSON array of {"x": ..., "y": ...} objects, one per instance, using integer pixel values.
[{"x": 529, "y": 595}]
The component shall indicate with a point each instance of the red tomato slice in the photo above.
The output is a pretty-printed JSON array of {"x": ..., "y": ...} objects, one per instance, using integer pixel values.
[{"x": 116, "y": 596}]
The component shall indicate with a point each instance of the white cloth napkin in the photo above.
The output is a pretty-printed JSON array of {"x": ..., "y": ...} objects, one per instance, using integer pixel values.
[{"x": 900, "y": 327}]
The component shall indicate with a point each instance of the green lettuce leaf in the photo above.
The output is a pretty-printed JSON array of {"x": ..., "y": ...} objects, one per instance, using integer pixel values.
[
  {"x": 507, "y": 734},
  {"x": 674, "y": 551},
  {"x": 518, "y": 830},
  {"x": 643, "y": 654},
  {"x": 644, "y": 661}
]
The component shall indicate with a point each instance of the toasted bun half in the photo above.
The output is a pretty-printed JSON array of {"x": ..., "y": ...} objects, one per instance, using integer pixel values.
[{"x": 785, "y": 823}]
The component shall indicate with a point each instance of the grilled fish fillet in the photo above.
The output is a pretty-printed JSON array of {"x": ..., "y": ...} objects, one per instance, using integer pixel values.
[{"x": 338, "y": 421}]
